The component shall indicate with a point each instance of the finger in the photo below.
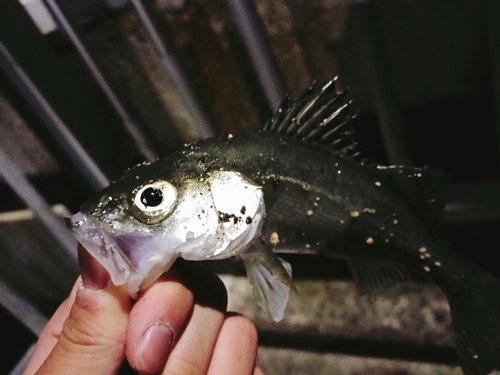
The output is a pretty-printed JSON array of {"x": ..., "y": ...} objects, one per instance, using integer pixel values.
[
  {"x": 158, "y": 316},
  {"x": 193, "y": 351},
  {"x": 236, "y": 349},
  {"x": 50, "y": 334},
  {"x": 258, "y": 371},
  {"x": 93, "y": 336}
]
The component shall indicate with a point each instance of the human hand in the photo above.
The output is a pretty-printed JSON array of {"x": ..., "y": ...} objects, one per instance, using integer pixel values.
[{"x": 178, "y": 326}]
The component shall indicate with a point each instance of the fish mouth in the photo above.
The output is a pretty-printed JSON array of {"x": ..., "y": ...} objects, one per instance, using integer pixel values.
[{"x": 131, "y": 259}]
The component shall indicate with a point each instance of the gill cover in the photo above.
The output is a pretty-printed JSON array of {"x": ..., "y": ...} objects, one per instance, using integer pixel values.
[
  {"x": 213, "y": 218},
  {"x": 233, "y": 220}
]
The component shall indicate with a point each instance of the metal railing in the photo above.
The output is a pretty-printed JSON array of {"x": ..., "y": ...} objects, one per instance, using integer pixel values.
[{"x": 474, "y": 201}]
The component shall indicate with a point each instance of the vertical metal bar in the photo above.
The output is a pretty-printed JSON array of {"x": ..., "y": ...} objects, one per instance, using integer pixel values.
[
  {"x": 250, "y": 29},
  {"x": 378, "y": 83},
  {"x": 296, "y": 8},
  {"x": 24, "y": 311},
  {"x": 73, "y": 149},
  {"x": 493, "y": 22},
  {"x": 199, "y": 123},
  {"x": 55, "y": 228},
  {"x": 130, "y": 126},
  {"x": 21, "y": 365}
]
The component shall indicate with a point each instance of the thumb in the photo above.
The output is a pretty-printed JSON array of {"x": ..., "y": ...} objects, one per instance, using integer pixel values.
[{"x": 92, "y": 338}]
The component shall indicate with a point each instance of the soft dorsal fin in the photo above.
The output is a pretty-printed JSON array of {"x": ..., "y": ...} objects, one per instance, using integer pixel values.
[
  {"x": 424, "y": 189},
  {"x": 319, "y": 117}
]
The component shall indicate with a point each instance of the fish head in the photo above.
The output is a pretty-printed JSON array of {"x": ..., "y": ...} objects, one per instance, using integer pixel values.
[{"x": 137, "y": 227}]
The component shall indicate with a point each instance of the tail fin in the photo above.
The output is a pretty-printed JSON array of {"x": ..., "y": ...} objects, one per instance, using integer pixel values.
[{"x": 476, "y": 318}]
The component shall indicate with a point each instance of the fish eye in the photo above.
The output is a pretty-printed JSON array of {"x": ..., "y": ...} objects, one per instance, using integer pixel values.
[
  {"x": 153, "y": 202},
  {"x": 151, "y": 197}
]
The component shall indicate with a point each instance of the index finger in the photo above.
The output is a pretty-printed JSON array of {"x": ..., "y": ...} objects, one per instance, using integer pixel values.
[{"x": 156, "y": 320}]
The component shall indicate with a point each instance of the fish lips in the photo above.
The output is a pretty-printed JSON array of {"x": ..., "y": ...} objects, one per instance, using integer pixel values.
[{"x": 131, "y": 259}]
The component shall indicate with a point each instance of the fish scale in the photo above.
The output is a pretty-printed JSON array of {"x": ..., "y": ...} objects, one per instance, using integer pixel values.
[{"x": 303, "y": 174}]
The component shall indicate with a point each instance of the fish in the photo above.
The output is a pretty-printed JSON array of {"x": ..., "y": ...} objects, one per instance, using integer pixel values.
[{"x": 297, "y": 185}]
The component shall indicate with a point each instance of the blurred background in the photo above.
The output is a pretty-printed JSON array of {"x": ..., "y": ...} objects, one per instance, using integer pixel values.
[{"x": 90, "y": 88}]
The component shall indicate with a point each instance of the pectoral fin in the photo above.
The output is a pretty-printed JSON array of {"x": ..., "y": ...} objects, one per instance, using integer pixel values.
[{"x": 270, "y": 278}]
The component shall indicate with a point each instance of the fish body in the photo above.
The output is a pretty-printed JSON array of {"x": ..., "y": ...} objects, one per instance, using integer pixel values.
[{"x": 295, "y": 186}]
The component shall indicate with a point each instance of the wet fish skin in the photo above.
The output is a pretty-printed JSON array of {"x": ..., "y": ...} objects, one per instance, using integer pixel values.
[
  {"x": 310, "y": 205},
  {"x": 328, "y": 203},
  {"x": 308, "y": 202}
]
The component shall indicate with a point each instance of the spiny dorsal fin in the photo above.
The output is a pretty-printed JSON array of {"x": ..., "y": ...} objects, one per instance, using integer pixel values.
[
  {"x": 424, "y": 188},
  {"x": 319, "y": 117}
]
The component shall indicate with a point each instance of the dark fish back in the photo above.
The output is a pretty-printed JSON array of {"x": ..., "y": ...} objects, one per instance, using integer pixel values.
[{"x": 320, "y": 198}]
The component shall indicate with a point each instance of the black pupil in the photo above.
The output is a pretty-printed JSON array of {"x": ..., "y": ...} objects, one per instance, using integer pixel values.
[{"x": 151, "y": 197}]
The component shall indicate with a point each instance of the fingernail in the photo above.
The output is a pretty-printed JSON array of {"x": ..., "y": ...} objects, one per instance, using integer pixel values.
[
  {"x": 94, "y": 276},
  {"x": 153, "y": 349}
]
